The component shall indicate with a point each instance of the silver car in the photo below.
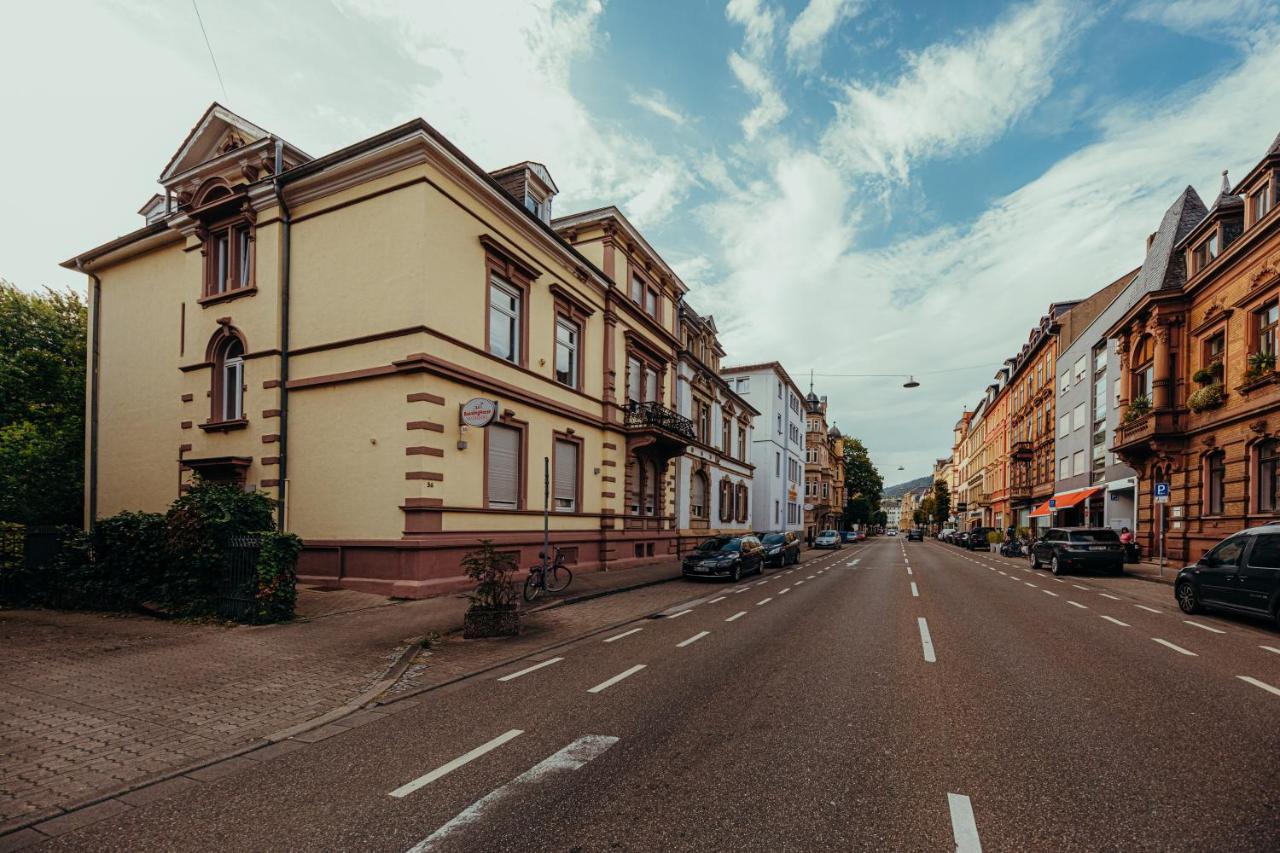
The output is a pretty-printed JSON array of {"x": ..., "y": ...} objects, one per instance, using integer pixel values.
[{"x": 828, "y": 539}]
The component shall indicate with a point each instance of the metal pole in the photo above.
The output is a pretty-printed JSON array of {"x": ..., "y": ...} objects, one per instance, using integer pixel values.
[
  {"x": 1160, "y": 510},
  {"x": 546, "y": 509}
]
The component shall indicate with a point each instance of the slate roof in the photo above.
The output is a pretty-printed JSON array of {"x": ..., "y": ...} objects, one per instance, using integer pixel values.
[{"x": 1165, "y": 268}]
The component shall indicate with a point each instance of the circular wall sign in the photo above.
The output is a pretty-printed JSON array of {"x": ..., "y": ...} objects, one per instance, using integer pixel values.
[
  {"x": 808, "y": 507},
  {"x": 479, "y": 412}
]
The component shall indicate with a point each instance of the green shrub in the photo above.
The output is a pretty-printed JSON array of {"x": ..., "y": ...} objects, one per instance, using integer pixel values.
[
  {"x": 491, "y": 569},
  {"x": 1138, "y": 407},
  {"x": 277, "y": 576},
  {"x": 1205, "y": 398}
]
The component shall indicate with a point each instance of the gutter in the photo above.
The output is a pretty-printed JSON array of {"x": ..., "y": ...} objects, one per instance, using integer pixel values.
[
  {"x": 286, "y": 220},
  {"x": 92, "y": 473}
]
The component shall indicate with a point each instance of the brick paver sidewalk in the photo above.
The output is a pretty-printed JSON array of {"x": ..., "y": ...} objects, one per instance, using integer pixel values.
[{"x": 90, "y": 702}]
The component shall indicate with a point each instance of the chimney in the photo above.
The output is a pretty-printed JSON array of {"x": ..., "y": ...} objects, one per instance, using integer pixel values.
[{"x": 530, "y": 185}]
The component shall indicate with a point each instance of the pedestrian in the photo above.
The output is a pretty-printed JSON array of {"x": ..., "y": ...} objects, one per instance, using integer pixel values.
[{"x": 1130, "y": 548}]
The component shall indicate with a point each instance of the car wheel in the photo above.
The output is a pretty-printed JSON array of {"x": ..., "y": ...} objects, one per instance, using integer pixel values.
[
  {"x": 1188, "y": 598},
  {"x": 1055, "y": 567},
  {"x": 1035, "y": 561},
  {"x": 737, "y": 572}
]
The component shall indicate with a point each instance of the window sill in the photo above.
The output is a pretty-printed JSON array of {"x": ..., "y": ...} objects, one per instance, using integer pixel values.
[
  {"x": 205, "y": 301},
  {"x": 224, "y": 426}
]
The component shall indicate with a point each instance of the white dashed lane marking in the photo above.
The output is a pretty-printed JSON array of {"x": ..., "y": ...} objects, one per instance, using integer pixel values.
[
  {"x": 1204, "y": 627},
  {"x": 695, "y": 638},
  {"x": 1077, "y": 604},
  {"x": 737, "y": 615},
  {"x": 530, "y": 669},
  {"x": 624, "y": 634},
  {"x": 1179, "y": 649},
  {"x": 1116, "y": 621},
  {"x": 609, "y": 682},
  {"x": 1146, "y": 608},
  {"x": 963, "y": 828},
  {"x": 1108, "y": 595},
  {"x": 926, "y": 641},
  {"x": 915, "y": 592},
  {"x": 445, "y": 769},
  {"x": 1256, "y": 683}
]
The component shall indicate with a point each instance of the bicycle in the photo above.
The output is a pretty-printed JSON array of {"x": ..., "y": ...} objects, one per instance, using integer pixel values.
[{"x": 543, "y": 578}]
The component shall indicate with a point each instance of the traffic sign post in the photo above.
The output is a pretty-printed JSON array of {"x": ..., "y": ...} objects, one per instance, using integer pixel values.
[{"x": 1160, "y": 495}]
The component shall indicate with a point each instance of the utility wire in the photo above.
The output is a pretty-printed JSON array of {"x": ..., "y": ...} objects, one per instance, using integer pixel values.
[{"x": 212, "y": 58}]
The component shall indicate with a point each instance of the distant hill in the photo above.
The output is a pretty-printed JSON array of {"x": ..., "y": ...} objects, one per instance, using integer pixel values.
[{"x": 902, "y": 488}]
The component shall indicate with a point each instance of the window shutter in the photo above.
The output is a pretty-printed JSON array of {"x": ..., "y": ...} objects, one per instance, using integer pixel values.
[
  {"x": 566, "y": 476},
  {"x": 504, "y": 467}
]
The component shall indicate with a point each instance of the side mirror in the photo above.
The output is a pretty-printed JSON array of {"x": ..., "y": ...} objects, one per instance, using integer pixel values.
[{"x": 1209, "y": 562}]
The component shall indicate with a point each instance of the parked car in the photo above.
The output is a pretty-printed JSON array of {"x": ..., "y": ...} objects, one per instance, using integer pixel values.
[
  {"x": 828, "y": 539},
  {"x": 725, "y": 556},
  {"x": 960, "y": 538},
  {"x": 893, "y": 531},
  {"x": 849, "y": 535},
  {"x": 1067, "y": 548},
  {"x": 915, "y": 534},
  {"x": 1240, "y": 573},
  {"x": 781, "y": 548},
  {"x": 977, "y": 539},
  {"x": 945, "y": 534},
  {"x": 861, "y": 536}
]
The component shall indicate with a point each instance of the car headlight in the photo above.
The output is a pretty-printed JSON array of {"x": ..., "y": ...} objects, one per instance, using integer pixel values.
[{"x": 729, "y": 560}]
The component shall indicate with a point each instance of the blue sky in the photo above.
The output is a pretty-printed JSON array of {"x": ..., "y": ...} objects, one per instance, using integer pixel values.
[{"x": 849, "y": 186}]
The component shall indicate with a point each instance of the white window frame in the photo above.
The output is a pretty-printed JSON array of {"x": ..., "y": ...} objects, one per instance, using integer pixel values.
[
  {"x": 511, "y": 317},
  {"x": 570, "y": 346}
]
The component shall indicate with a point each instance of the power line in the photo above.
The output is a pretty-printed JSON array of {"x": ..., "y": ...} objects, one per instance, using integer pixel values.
[{"x": 212, "y": 58}]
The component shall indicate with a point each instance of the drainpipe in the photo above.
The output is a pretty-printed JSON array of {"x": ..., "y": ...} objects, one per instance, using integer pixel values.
[
  {"x": 96, "y": 305},
  {"x": 286, "y": 219}
]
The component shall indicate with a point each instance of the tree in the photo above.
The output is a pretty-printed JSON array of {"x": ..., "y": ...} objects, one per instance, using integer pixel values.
[
  {"x": 857, "y": 511},
  {"x": 42, "y": 374},
  {"x": 860, "y": 475},
  {"x": 880, "y": 519},
  {"x": 941, "y": 502}
]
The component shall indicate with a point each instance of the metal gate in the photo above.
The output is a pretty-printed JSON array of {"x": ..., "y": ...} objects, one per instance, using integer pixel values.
[{"x": 238, "y": 587}]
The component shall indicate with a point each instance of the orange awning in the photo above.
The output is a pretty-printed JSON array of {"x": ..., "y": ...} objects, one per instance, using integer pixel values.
[{"x": 1065, "y": 500}]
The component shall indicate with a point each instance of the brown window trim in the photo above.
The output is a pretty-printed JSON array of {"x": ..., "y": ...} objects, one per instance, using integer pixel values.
[
  {"x": 219, "y": 341},
  {"x": 231, "y": 226},
  {"x": 522, "y": 475},
  {"x": 224, "y": 426},
  {"x": 567, "y": 307},
  {"x": 206, "y": 301},
  {"x": 557, "y": 436},
  {"x": 514, "y": 278}
]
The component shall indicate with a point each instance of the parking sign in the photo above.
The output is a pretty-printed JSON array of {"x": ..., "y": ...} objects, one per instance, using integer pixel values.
[{"x": 1162, "y": 493}]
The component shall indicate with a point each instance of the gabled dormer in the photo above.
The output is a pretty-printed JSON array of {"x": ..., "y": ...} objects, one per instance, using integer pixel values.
[
  {"x": 1218, "y": 229},
  {"x": 529, "y": 184},
  {"x": 1260, "y": 189}
]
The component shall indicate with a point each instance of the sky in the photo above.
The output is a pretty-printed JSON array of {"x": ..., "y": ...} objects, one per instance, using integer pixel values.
[{"x": 849, "y": 187}]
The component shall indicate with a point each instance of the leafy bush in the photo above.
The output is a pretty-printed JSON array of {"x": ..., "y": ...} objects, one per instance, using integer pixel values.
[
  {"x": 1138, "y": 407},
  {"x": 1205, "y": 376},
  {"x": 1260, "y": 365},
  {"x": 491, "y": 569},
  {"x": 200, "y": 525},
  {"x": 277, "y": 576},
  {"x": 1205, "y": 398}
]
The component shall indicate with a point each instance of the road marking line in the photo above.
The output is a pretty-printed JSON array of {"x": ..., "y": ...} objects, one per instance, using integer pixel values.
[
  {"x": 695, "y": 638},
  {"x": 737, "y": 615},
  {"x": 714, "y": 600},
  {"x": 445, "y": 769},
  {"x": 1030, "y": 584},
  {"x": 626, "y": 673},
  {"x": 572, "y": 757},
  {"x": 797, "y": 583},
  {"x": 678, "y": 615},
  {"x": 1077, "y": 586},
  {"x": 764, "y": 601},
  {"x": 784, "y": 591},
  {"x": 530, "y": 669},
  {"x": 926, "y": 641},
  {"x": 623, "y": 634},
  {"x": 1146, "y": 608},
  {"x": 1076, "y": 604},
  {"x": 1256, "y": 683},
  {"x": 1108, "y": 595},
  {"x": 811, "y": 577},
  {"x": 761, "y": 583},
  {"x": 1057, "y": 580},
  {"x": 963, "y": 828},
  {"x": 1271, "y": 649},
  {"x": 1204, "y": 627},
  {"x": 739, "y": 591},
  {"x": 908, "y": 570},
  {"x": 1004, "y": 574},
  {"x": 1049, "y": 592},
  {"x": 1116, "y": 621},
  {"x": 915, "y": 593},
  {"x": 1178, "y": 649}
]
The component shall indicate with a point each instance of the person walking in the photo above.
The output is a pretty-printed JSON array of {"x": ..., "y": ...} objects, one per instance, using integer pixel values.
[{"x": 1130, "y": 548}]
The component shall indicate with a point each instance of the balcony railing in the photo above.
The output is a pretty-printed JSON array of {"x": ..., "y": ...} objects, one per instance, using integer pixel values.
[
  {"x": 1134, "y": 435},
  {"x": 1021, "y": 451},
  {"x": 655, "y": 416}
]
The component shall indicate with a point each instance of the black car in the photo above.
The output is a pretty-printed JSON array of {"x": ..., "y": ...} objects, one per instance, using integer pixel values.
[
  {"x": 725, "y": 557},
  {"x": 915, "y": 534},
  {"x": 977, "y": 539},
  {"x": 1241, "y": 573},
  {"x": 960, "y": 538},
  {"x": 781, "y": 548},
  {"x": 1066, "y": 548}
]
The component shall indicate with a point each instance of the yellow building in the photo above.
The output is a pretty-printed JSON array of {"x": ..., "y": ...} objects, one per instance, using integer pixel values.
[{"x": 315, "y": 326}]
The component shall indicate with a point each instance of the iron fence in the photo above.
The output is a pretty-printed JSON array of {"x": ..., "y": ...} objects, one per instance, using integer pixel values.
[{"x": 238, "y": 586}]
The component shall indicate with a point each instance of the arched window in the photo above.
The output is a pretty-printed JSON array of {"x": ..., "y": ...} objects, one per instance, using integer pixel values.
[
  {"x": 1143, "y": 371},
  {"x": 1215, "y": 482},
  {"x": 228, "y": 380},
  {"x": 1269, "y": 475},
  {"x": 698, "y": 495}
]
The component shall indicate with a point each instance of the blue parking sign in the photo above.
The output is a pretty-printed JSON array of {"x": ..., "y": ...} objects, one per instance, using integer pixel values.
[{"x": 1162, "y": 490}]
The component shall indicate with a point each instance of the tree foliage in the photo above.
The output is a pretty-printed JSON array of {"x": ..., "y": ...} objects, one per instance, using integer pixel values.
[
  {"x": 857, "y": 511},
  {"x": 42, "y": 376},
  {"x": 860, "y": 476},
  {"x": 941, "y": 502}
]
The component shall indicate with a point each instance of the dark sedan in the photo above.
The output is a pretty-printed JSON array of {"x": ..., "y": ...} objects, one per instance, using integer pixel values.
[
  {"x": 1240, "y": 574},
  {"x": 915, "y": 534},
  {"x": 1067, "y": 548},
  {"x": 725, "y": 557},
  {"x": 781, "y": 548}
]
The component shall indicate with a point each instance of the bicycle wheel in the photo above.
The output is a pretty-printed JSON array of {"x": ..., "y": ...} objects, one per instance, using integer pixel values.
[
  {"x": 559, "y": 578},
  {"x": 532, "y": 585}
]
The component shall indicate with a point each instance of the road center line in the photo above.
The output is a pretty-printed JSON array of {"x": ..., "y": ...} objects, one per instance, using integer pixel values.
[
  {"x": 530, "y": 669},
  {"x": 784, "y": 590},
  {"x": 811, "y": 577},
  {"x": 572, "y": 757},
  {"x": 695, "y": 638},
  {"x": 908, "y": 570},
  {"x": 1204, "y": 627},
  {"x": 1256, "y": 683},
  {"x": 1077, "y": 586},
  {"x": 1030, "y": 584},
  {"x": 1178, "y": 649},
  {"x": 1146, "y": 608},
  {"x": 764, "y": 601},
  {"x": 678, "y": 615},
  {"x": 797, "y": 583},
  {"x": 626, "y": 673},
  {"x": 926, "y": 641},
  {"x": 963, "y": 828},
  {"x": 624, "y": 634},
  {"x": 1076, "y": 604},
  {"x": 915, "y": 593},
  {"x": 714, "y": 600},
  {"x": 1271, "y": 649},
  {"x": 1115, "y": 621},
  {"x": 737, "y": 615},
  {"x": 1108, "y": 595},
  {"x": 445, "y": 769},
  {"x": 1049, "y": 592}
]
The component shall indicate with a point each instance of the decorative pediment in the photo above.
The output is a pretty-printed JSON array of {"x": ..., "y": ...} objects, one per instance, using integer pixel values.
[{"x": 218, "y": 132}]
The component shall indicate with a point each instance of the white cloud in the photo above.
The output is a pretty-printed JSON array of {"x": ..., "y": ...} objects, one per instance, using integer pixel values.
[
  {"x": 657, "y": 103},
  {"x": 770, "y": 108},
  {"x": 759, "y": 21},
  {"x": 812, "y": 26},
  {"x": 955, "y": 97},
  {"x": 1231, "y": 19}
]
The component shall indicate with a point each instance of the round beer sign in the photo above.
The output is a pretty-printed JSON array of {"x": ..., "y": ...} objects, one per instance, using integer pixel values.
[{"x": 479, "y": 412}]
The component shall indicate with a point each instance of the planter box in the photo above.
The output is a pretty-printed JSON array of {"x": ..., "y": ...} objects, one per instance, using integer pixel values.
[{"x": 491, "y": 622}]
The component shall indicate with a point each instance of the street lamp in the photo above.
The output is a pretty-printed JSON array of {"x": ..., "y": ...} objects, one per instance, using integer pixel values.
[{"x": 911, "y": 383}]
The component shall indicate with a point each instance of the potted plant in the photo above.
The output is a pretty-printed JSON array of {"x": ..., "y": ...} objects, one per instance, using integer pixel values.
[
  {"x": 994, "y": 538},
  {"x": 493, "y": 611},
  {"x": 1260, "y": 364},
  {"x": 1208, "y": 397},
  {"x": 1138, "y": 407},
  {"x": 1206, "y": 375}
]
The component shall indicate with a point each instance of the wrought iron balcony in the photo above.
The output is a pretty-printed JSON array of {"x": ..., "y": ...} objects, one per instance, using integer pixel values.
[
  {"x": 655, "y": 416},
  {"x": 1138, "y": 438},
  {"x": 1021, "y": 451}
]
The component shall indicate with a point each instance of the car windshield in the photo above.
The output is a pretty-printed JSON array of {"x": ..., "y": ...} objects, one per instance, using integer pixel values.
[
  {"x": 1108, "y": 536},
  {"x": 773, "y": 539},
  {"x": 720, "y": 544},
  {"x": 829, "y": 533}
]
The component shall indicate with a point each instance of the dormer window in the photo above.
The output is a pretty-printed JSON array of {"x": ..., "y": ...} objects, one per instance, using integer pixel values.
[
  {"x": 1260, "y": 202},
  {"x": 1204, "y": 253}
]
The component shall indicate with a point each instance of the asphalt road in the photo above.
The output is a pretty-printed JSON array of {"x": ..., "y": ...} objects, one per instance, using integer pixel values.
[{"x": 887, "y": 696}]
